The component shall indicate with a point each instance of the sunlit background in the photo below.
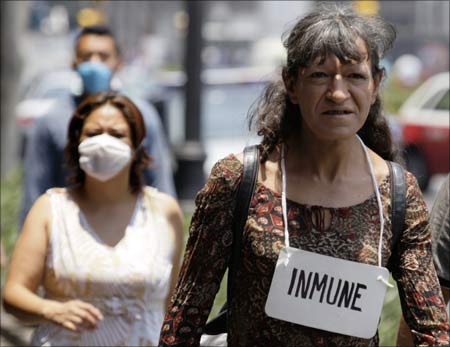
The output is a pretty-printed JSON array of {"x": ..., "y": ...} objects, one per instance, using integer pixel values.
[{"x": 242, "y": 50}]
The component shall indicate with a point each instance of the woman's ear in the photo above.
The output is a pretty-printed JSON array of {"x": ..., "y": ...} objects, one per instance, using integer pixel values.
[{"x": 289, "y": 85}]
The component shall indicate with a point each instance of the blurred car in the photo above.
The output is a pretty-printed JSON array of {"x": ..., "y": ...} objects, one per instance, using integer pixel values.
[{"x": 424, "y": 118}]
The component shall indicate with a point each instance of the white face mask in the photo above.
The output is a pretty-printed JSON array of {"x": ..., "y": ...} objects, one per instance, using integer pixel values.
[{"x": 103, "y": 156}]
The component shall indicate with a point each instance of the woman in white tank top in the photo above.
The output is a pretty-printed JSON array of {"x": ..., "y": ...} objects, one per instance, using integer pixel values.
[{"x": 106, "y": 250}]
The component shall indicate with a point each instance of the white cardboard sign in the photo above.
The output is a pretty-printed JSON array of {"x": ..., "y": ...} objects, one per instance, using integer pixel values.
[{"x": 327, "y": 293}]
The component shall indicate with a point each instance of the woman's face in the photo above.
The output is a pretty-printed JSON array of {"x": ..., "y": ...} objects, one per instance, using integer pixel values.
[
  {"x": 334, "y": 98},
  {"x": 107, "y": 119}
]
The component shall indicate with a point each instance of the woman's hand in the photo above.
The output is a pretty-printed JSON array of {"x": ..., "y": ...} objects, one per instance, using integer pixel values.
[{"x": 73, "y": 314}]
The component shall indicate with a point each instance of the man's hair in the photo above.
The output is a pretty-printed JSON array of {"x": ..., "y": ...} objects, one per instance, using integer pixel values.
[{"x": 99, "y": 30}]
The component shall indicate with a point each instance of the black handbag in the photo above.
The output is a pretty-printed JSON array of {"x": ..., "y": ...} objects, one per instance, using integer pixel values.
[{"x": 218, "y": 325}]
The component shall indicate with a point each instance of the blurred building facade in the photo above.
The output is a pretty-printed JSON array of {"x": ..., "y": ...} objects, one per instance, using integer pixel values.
[
  {"x": 236, "y": 33},
  {"x": 423, "y": 30},
  {"x": 232, "y": 28}
]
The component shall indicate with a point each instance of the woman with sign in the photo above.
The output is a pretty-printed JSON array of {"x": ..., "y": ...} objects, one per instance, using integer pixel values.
[{"x": 318, "y": 237}]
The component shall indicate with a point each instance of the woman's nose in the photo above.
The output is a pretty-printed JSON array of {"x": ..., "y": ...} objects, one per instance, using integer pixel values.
[{"x": 337, "y": 91}]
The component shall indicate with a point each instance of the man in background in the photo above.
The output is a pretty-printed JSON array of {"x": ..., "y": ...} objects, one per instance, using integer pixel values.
[{"x": 97, "y": 58}]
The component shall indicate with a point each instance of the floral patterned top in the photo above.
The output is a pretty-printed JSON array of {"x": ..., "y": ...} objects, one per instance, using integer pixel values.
[{"x": 352, "y": 235}]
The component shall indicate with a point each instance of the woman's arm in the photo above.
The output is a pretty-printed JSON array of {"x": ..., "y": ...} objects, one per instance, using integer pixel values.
[
  {"x": 175, "y": 220},
  {"x": 419, "y": 290},
  {"x": 404, "y": 336},
  {"x": 206, "y": 257},
  {"x": 27, "y": 265},
  {"x": 26, "y": 272}
]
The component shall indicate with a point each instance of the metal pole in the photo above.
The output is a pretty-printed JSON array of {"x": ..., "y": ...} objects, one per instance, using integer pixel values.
[
  {"x": 191, "y": 156},
  {"x": 193, "y": 67}
]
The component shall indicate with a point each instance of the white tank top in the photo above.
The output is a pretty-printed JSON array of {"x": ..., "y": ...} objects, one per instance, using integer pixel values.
[{"x": 128, "y": 283}]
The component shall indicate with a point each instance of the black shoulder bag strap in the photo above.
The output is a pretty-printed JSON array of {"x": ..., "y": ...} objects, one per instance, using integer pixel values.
[
  {"x": 398, "y": 202},
  {"x": 244, "y": 195},
  {"x": 243, "y": 199}
]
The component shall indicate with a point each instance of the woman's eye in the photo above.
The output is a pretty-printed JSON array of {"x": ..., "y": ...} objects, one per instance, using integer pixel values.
[
  {"x": 357, "y": 76},
  {"x": 118, "y": 135},
  {"x": 319, "y": 74}
]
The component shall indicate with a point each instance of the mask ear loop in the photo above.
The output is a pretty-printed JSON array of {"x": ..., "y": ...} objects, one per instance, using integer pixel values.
[{"x": 139, "y": 146}]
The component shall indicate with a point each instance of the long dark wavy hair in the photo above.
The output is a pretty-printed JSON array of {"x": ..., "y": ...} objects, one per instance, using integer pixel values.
[
  {"x": 329, "y": 29},
  {"x": 135, "y": 121}
]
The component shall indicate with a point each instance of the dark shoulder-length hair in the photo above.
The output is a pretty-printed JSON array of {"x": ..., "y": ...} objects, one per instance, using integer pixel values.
[
  {"x": 135, "y": 121},
  {"x": 329, "y": 29}
]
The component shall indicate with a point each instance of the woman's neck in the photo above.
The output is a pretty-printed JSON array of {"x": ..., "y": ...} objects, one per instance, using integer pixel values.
[
  {"x": 327, "y": 161},
  {"x": 113, "y": 191}
]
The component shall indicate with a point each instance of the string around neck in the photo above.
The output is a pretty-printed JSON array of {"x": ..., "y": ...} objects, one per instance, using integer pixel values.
[
  {"x": 375, "y": 187},
  {"x": 283, "y": 197}
]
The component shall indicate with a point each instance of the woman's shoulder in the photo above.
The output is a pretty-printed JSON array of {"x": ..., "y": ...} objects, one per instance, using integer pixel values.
[
  {"x": 60, "y": 197},
  {"x": 224, "y": 176},
  {"x": 44, "y": 201},
  {"x": 228, "y": 168},
  {"x": 158, "y": 196},
  {"x": 412, "y": 186},
  {"x": 163, "y": 201},
  {"x": 40, "y": 212},
  {"x": 56, "y": 191},
  {"x": 166, "y": 204}
]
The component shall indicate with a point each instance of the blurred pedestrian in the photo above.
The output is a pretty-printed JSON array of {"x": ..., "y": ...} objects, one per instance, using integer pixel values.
[
  {"x": 106, "y": 249},
  {"x": 97, "y": 58},
  {"x": 440, "y": 231},
  {"x": 323, "y": 193}
]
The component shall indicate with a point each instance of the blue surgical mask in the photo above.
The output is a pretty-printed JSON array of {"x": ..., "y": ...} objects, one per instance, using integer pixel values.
[{"x": 96, "y": 76}]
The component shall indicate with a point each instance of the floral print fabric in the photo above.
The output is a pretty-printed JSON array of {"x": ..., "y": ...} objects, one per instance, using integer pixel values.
[{"x": 352, "y": 234}]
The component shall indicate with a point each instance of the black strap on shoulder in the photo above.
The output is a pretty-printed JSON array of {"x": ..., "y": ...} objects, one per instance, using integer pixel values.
[
  {"x": 243, "y": 199},
  {"x": 398, "y": 201},
  {"x": 244, "y": 195}
]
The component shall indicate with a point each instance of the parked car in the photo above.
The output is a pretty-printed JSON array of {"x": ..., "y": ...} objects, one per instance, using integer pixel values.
[{"x": 424, "y": 118}]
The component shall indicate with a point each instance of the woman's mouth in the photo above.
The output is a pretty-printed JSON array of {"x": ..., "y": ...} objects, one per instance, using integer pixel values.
[{"x": 336, "y": 112}]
